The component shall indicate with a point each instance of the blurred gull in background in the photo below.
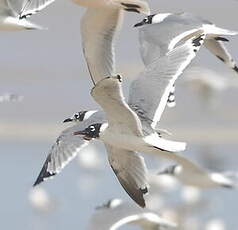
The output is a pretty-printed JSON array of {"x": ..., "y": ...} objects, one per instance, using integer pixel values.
[
  {"x": 208, "y": 84},
  {"x": 41, "y": 201},
  {"x": 13, "y": 13},
  {"x": 116, "y": 213},
  {"x": 10, "y": 97},
  {"x": 189, "y": 173}
]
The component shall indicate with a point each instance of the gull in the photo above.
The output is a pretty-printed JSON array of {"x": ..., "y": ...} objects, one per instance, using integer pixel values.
[
  {"x": 116, "y": 213},
  {"x": 10, "y": 97},
  {"x": 189, "y": 173},
  {"x": 99, "y": 25},
  {"x": 208, "y": 83},
  {"x": 160, "y": 33},
  {"x": 131, "y": 127},
  {"x": 67, "y": 146},
  {"x": 13, "y": 13}
]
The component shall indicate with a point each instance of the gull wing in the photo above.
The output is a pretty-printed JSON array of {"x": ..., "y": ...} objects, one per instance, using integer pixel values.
[
  {"x": 98, "y": 28},
  {"x": 108, "y": 94},
  {"x": 149, "y": 93},
  {"x": 112, "y": 218},
  {"x": 219, "y": 50},
  {"x": 131, "y": 172},
  {"x": 66, "y": 147}
]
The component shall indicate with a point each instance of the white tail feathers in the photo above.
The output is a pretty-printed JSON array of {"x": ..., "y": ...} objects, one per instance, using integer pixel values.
[{"x": 211, "y": 30}]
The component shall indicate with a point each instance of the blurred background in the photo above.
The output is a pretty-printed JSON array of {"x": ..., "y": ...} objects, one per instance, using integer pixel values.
[{"x": 47, "y": 68}]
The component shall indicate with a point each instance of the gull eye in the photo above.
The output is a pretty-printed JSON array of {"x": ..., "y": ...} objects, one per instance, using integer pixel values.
[
  {"x": 76, "y": 115},
  {"x": 92, "y": 128},
  {"x": 146, "y": 20}
]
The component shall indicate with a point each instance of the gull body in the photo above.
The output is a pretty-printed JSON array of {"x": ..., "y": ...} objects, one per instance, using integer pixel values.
[
  {"x": 116, "y": 213},
  {"x": 13, "y": 15},
  {"x": 99, "y": 25}
]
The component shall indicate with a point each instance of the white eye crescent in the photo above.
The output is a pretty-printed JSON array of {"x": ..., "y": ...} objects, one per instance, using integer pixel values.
[{"x": 92, "y": 128}]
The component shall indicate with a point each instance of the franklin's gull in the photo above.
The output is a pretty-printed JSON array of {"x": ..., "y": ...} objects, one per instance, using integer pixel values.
[
  {"x": 189, "y": 173},
  {"x": 116, "y": 213},
  {"x": 168, "y": 68},
  {"x": 160, "y": 33},
  {"x": 130, "y": 127},
  {"x": 67, "y": 146}
]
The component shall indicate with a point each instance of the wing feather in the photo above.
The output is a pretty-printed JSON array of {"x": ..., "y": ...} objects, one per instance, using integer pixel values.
[
  {"x": 149, "y": 93},
  {"x": 98, "y": 28},
  {"x": 131, "y": 172}
]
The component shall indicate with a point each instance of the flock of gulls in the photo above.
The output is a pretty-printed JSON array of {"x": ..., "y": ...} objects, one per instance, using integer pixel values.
[{"x": 168, "y": 43}]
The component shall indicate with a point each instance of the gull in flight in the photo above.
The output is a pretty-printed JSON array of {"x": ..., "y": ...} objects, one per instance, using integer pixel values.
[
  {"x": 189, "y": 173},
  {"x": 168, "y": 68},
  {"x": 99, "y": 25},
  {"x": 160, "y": 33},
  {"x": 131, "y": 127},
  {"x": 116, "y": 213},
  {"x": 13, "y": 13}
]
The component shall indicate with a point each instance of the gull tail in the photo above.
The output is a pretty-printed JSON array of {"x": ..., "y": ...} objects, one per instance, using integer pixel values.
[
  {"x": 165, "y": 145},
  {"x": 213, "y": 31},
  {"x": 137, "y": 6},
  {"x": 30, "y": 26}
]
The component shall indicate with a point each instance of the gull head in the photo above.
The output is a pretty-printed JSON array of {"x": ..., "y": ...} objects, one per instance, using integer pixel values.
[
  {"x": 80, "y": 116},
  {"x": 91, "y": 132},
  {"x": 110, "y": 204},
  {"x": 170, "y": 170},
  {"x": 152, "y": 19}
]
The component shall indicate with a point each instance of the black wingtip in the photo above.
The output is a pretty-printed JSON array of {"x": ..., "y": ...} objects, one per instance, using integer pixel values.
[
  {"x": 44, "y": 174},
  {"x": 235, "y": 68},
  {"x": 221, "y": 39}
]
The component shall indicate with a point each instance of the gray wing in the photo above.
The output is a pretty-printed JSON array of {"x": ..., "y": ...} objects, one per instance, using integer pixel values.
[
  {"x": 157, "y": 39},
  {"x": 219, "y": 50},
  {"x": 131, "y": 172},
  {"x": 98, "y": 28},
  {"x": 111, "y": 218},
  {"x": 66, "y": 147},
  {"x": 149, "y": 92}
]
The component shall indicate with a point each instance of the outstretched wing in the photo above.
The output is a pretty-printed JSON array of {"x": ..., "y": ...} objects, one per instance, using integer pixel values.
[
  {"x": 66, "y": 147},
  {"x": 30, "y": 7},
  {"x": 98, "y": 28},
  {"x": 218, "y": 48},
  {"x": 150, "y": 91},
  {"x": 131, "y": 172}
]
